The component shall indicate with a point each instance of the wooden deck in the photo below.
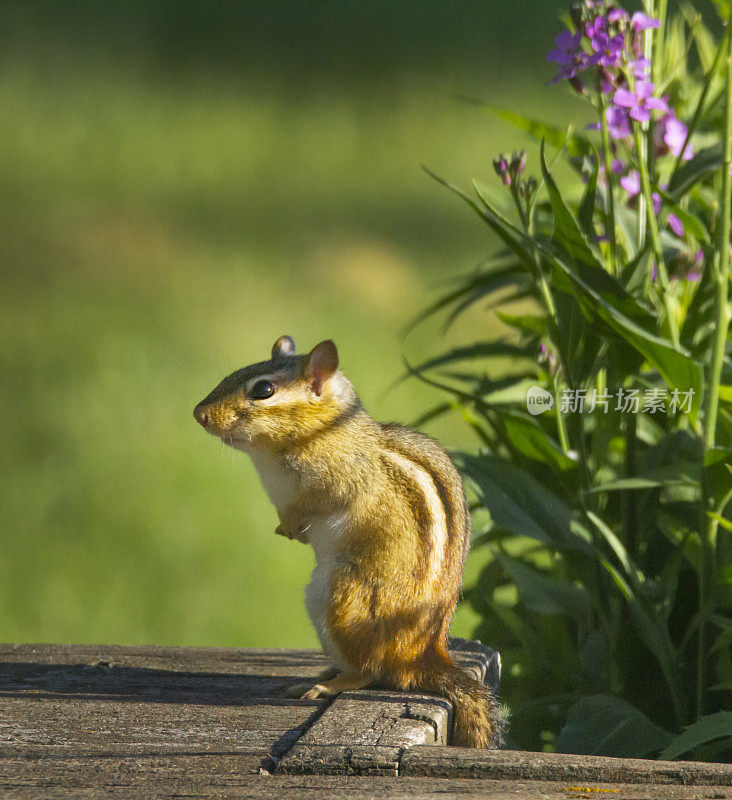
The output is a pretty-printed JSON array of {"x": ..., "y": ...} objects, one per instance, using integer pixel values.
[{"x": 124, "y": 722}]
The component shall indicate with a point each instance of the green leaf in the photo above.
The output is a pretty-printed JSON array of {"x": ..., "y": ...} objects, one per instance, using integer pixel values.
[
  {"x": 517, "y": 502},
  {"x": 679, "y": 473},
  {"x": 634, "y": 273},
  {"x": 725, "y": 523},
  {"x": 542, "y": 593},
  {"x": 557, "y": 137},
  {"x": 705, "y": 45},
  {"x": 692, "y": 223},
  {"x": 587, "y": 267},
  {"x": 586, "y": 212},
  {"x": 704, "y": 162},
  {"x": 718, "y": 475},
  {"x": 507, "y": 395},
  {"x": 520, "y": 280},
  {"x": 603, "y": 725},
  {"x": 477, "y": 350},
  {"x": 432, "y": 413},
  {"x": 523, "y": 322},
  {"x": 652, "y": 628},
  {"x": 722, "y": 8},
  {"x": 510, "y": 235},
  {"x": 484, "y": 283},
  {"x": 704, "y": 730},
  {"x": 567, "y": 230},
  {"x": 605, "y": 298},
  {"x": 700, "y": 321},
  {"x": 631, "y": 483},
  {"x": 631, "y": 571},
  {"x": 539, "y": 130},
  {"x": 677, "y": 368},
  {"x": 530, "y": 440}
]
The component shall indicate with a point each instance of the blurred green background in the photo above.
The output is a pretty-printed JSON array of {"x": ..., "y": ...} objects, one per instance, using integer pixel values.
[{"x": 180, "y": 184}]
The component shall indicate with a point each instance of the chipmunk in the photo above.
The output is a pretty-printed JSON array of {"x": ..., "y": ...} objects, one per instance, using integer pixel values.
[{"x": 383, "y": 508}]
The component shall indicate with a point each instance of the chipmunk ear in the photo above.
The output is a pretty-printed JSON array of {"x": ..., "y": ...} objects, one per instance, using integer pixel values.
[
  {"x": 320, "y": 363},
  {"x": 284, "y": 346}
]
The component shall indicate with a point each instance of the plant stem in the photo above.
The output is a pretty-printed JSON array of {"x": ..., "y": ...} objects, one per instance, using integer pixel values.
[
  {"x": 627, "y": 499},
  {"x": 551, "y": 308},
  {"x": 655, "y": 235},
  {"x": 607, "y": 156},
  {"x": 720, "y": 282},
  {"x": 561, "y": 427},
  {"x": 519, "y": 206},
  {"x": 641, "y": 142},
  {"x": 658, "y": 52},
  {"x": 546, "y": 294}
]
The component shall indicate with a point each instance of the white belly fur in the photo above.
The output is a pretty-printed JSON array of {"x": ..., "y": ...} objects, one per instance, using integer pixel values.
[
  {"x": 323, "y": 534},
  {"x": 281, "y": 486}
]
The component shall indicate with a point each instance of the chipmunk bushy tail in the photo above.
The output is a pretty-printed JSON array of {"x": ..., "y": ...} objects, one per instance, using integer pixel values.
[{"x": 476, "y": 716}]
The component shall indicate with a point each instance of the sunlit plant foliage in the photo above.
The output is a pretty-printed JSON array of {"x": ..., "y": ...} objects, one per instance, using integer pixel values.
[{"x": 607, "y": 582}]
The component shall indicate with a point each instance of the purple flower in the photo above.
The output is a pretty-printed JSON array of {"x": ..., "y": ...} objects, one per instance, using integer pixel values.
[
  {"x": 676, "y": 225},
  {"x": 640, "y": 103},
  {"x": 565, "y": 54},
  {"x": 548, "y": 356},
  {"x": 617, "y": 166},
  {"x": 577, "y": 84},
  {"x": 500, "y": 165},
  {"x": 631, "y": 183},
  {"x": 617, "y": 15},
  {"x": 641, "y": 68},
  {"x": 670, "y": 136},
  {"x": 618, "y": 124},
  {"x": 606, "y": 82},
  {"x": 642, "y": 22},
  {"x": 609, "y": 50},
  {"x": 596, "y": 27},
  {"x": 693, "y": 276}
]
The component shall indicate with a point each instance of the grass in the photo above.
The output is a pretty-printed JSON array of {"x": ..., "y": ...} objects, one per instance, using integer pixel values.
[{"x": 158, "y": 231}]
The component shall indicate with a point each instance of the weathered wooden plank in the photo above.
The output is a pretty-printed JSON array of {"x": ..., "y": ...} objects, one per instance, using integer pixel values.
[
  {"x": 96, "y": 702},
  {"x": 217, "y": 778},
  {"x": 142, "y": 668},
  {"x": 460, "y": 762},
  {"x": 101, "y": 721},
  {"x": 37, "y": 727}
]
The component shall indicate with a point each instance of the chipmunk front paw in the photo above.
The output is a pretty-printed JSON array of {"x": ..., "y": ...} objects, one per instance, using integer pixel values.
[{"x": 298, "y": 533}]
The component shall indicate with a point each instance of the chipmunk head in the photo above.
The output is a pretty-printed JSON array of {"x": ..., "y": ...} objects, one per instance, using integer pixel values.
[{"x": 281, "y": 401}]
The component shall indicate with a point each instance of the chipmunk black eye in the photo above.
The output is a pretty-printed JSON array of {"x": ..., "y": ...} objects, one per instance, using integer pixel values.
[{"x": 262, "y": 390}]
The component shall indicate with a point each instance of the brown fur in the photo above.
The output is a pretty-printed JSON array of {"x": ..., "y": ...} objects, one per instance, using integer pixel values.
[{"x": 387, "y": 613}]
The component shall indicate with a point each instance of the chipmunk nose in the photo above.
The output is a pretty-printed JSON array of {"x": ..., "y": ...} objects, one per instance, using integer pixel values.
[{"x": 202, "y": 415}]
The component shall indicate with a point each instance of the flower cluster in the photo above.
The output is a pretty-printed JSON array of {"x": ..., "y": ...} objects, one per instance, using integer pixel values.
[
  {"x": 509, "y": 169},
  {"x": 605, "y": 50},
  {"x": 609, "y": 40}
]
